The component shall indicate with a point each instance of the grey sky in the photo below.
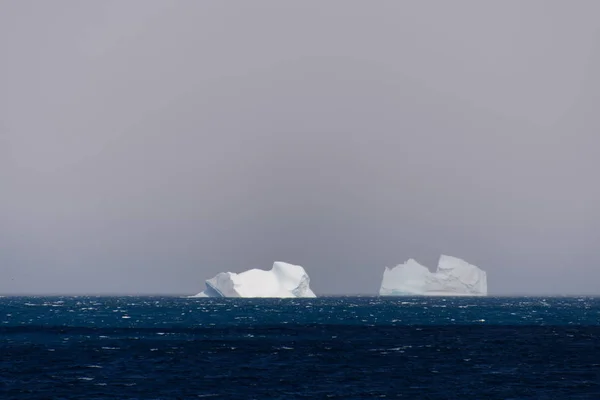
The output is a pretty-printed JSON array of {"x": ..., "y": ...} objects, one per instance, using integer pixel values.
[{"x": 147, "y": 145}]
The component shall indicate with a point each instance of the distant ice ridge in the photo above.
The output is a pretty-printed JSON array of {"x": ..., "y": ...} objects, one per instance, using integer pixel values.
[
  {"x": 283, "y": 280},
  {"x": 454, "y": 277}
]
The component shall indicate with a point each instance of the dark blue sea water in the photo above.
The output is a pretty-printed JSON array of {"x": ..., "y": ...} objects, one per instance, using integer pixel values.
[{"x": 329, "y": 348}]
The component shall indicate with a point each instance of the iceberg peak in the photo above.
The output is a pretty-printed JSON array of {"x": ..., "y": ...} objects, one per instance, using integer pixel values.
[{"x": 454, "y": 277}]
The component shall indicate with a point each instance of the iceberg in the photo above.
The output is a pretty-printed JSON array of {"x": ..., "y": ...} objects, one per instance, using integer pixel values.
[
  {"x": 281, "y": 281},
  {"x": 454, "y": 277}
]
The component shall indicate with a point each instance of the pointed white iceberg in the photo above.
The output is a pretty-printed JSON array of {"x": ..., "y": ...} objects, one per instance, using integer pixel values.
[
  {"x": 454, "y": 277},
  {"x": 283, "y": 280}
]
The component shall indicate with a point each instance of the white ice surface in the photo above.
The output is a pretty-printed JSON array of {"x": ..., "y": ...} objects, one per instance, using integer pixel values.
[
  {"x": 283, "y": 280},
  {"x": 454, "y": 277}
]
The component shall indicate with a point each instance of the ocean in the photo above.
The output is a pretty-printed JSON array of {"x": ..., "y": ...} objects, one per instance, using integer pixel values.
[{"x": 324, "y": 348}]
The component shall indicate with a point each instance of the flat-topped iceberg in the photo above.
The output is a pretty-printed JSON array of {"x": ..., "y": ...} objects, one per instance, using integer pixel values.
[
  {"x": 283, "y": 280},
  {"x": 454, "y": 277}
]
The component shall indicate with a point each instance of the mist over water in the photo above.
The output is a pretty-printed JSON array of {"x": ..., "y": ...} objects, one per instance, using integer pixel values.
[{"x": 146, "y": 146}]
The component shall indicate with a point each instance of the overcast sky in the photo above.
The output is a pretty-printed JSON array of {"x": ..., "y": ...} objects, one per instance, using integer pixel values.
[{"x": 147, "y": 145}]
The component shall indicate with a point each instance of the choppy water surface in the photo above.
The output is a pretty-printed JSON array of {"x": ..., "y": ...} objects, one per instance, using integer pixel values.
[{"x": 346, "y": 348}]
